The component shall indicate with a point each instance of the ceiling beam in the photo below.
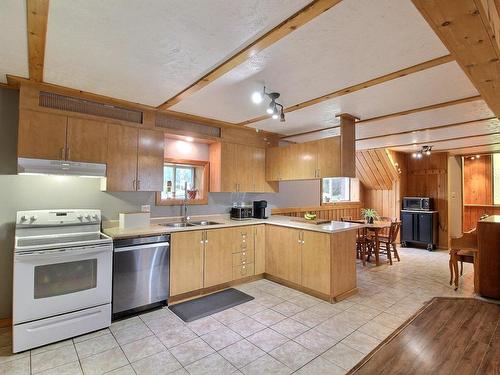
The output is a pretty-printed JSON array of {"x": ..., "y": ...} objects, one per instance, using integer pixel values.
[
  {"x": 300, "y": 18},
  {"x": 425, "y": 108},
  {"x": 372, "y": 82},
  {"x": 460, "y": 24},
  {"x": 37, "y": 16},
  {"x": 470, "y": 147},
  {"x": 431, "y": 143}
]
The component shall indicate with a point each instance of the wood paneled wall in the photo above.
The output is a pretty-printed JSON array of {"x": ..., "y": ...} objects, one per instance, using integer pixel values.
[
  {"x": 472, "y": 214},
  {"x": 375, "y": 169},
  {"x": 478, "y": 185},
  {"x": 428, "y": 177},
  {"x": 328, "y": 212}
]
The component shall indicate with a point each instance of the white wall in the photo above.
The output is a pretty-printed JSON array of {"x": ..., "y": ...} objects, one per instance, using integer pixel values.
[{"x": 178, "y": 149}]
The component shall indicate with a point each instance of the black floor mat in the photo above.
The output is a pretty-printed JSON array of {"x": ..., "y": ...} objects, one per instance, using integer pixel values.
[{"x": 201, "y": 307}]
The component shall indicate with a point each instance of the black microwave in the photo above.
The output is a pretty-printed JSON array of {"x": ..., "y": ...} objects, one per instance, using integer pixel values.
[{"x": 417, "y": 203}]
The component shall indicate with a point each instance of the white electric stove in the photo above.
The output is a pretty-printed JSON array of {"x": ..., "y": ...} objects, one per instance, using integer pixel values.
[{"x": 62, "y": 276}]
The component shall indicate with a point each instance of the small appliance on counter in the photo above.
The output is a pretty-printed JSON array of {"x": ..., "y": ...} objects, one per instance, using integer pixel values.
[
  {"x": 417, "y": 203},
  {"x": 241, "y": 211},
  {"x": 62, "y": 276},
  {"x": 259, "y": 209},
  {"x": 141, "y": 274}
]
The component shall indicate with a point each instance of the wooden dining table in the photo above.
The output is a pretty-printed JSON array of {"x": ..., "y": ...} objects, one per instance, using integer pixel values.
[{"x": 376, "y": 227}]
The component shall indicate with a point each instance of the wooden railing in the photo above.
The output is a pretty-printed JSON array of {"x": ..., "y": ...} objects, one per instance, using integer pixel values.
[{"x": 329, "y": 212}]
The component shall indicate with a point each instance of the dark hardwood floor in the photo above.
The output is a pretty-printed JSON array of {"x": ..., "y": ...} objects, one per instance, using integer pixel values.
[{"x": 449, "y": 336}]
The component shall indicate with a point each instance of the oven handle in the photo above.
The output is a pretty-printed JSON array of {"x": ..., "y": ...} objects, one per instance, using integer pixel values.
[
  {"x": 51, "y": 254},
  {"x": 139, "y": 247}
]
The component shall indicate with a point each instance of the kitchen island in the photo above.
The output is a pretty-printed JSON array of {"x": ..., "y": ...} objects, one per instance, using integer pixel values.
[{"x": 317, "y": 259}]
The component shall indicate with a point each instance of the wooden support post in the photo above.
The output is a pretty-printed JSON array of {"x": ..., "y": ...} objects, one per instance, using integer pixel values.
[{"x": 347, "y": 144}]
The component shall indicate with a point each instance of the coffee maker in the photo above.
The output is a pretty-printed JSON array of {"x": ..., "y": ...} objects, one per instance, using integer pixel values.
[{"x": 259, "y": 209}]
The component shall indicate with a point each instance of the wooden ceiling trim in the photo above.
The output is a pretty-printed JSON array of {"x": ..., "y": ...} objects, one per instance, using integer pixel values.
[
  {"x": 375, "y": 81},
  {"x": 425, "y": 108},
  {"x": 310, "y": 131},
  {"x": 430, "y": 143},
  {"x": 427, "y": 128},
  {"x": 470, "y": 147},
  {"x": 460, "y": 26},
  {"x": 37, "y": 17},
  {"x": 300, "y": 18}
]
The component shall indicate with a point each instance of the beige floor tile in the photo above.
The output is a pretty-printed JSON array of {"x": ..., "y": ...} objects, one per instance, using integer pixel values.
[
  {"x": 132, "y": 333},
  {"x": 241, "y": 353},
  {"x": 287, "y": 308},
  {"x": 250, "y": 308},
  {"x": 247, "y": 326},
  {"x": 164, "y": 324},
  {"x": 142, "y": 348},
  {"x": 268, "y": 317},
  {"x": 176, "y": 336},
  {"x": 91, "y": 335},
  {"x": 389, "y": 320},
  {"x": 221, "y": 338},
  {"x": 160, "y": 363},
  {"x": 376, "y": 330},
  {"x": 325, "y": 310},
  {"x": 6, "y": 354},
  {"x": 104, "y": 362},
  {"x": 228, "y": 316},
  {"x": 363, "y": 311},
  {"x": 125, "y": 323},
  {"x": 53, "y": 358},
  {"x": 125, "y": 370},
  {"x": 266, "y": 365},
  {"x": 267, "y": 339},
  {"x": 269, "y": 300},
  {"x": 335, "y": 328},
  {"x": 19, "y": 366},
  {"x": 315, "y": 341},
  {"x": 289, "y": 328},
  {"x": 53, "y": 346},
  {"x": 309, "y": 318},
  {"x": 293, "y": 355},
  {"x": 156, "y": 314},
  {"x": 204, "y": 325},
  {"x": 343, "y": 356},
  {"x": 305, "y": 301},
  {"x": 213, "y": 364},
  {"x": 72, "y": 368},
  {"x": 95, "y": 345},
  {"x": 361, "y": 342},
  {"x": 191, "y": 351},
  {"x": 320, "y": 366}
]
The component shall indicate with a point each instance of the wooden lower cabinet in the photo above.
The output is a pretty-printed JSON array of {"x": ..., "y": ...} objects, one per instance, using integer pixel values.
[
  {"x": 260, "y": 249},
  {"x": 316, "y": 261},
  {"x": 218, "y": 257},
  {"x": 283, "y": 257},
  {"x": 186, "y": 262}
]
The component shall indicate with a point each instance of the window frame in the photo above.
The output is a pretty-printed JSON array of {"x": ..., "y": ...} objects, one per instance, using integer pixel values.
[
  {"x": 202, "y": 190},
  {"x": 339, "y": 202}
]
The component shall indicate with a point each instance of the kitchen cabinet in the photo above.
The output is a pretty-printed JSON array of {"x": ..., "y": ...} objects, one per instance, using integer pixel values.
[
  {"x": 238, "y": 168},
  {"x": 218, "y": 268},
  {"x": 134, "y": 159},
  {"x": 304, "y": 161},
  {"x": 260, "y": 249},
  {"x": 316, "y": 261},
  {"x": 186, "y": 261},
  {"x": 420, "y": 228},
  {"x": 48, "y": 136}
]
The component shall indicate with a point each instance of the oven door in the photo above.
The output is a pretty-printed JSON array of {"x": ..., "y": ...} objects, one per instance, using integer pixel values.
[{"x": 52, "y": 282}]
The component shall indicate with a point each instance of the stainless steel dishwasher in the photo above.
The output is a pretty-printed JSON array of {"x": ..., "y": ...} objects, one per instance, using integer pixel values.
[{"x": 140, "y": 274}]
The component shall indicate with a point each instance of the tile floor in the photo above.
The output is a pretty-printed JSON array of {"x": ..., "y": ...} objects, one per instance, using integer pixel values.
[{"x": 282, "y": 331}]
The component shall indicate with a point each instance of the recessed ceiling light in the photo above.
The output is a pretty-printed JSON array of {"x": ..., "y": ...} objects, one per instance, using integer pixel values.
[
  {"x": 189, "y": 139},
  {"x": 275, "y": 116},
  {"x": 257, "y": 97}
]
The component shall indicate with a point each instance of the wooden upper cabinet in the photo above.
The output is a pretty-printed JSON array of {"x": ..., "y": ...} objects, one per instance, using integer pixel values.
[
  {"x": 122, "y": 158},
  {"x": 150, "y": 160},
  {"x": 87, "y": 140},
  {"x": 316, "y": 260},
  {"x": 304, "y": 161},
  {"x": 186, "y": 262},
  {"x": 329, "y": 160},
  {"x": 235, "y": 167},
  {"x": 42, "y": 135}
]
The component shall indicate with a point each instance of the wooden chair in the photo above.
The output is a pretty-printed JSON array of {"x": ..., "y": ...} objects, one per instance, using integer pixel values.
[
  {"x": 364, "y": 244},
  {"x": 463, "y": 249},
  {"x": 385, "y": 232},
  {"x": 390, "y": 241}
]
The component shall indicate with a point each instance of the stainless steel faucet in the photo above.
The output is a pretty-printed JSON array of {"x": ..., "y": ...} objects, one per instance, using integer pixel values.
[{"x": 184, "y": 206}]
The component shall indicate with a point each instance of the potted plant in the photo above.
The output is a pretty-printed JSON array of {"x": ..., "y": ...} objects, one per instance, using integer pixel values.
[{"x": 369, "y": 214}]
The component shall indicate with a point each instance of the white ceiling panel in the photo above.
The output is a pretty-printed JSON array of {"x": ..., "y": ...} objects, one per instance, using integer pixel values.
[
  {"x": 13, "y": 39},
  {"x": 456, "y": 143},
  {"x": 431, "y": 136},
  {"x": 327, "y": 133},
  {"x": 355, "y": 41},
  {"x": 477, "y": 150},
  {"x": 453, "y": 114},
  {"x": 147, "y": 51},
  {"x": 436, "y": 85}
]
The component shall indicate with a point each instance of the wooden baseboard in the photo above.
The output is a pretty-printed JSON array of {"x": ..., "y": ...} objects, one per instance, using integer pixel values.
[
  {"x": 216, "y": 288},
  {"x": 345, "y": 295},
  {"x": 298, "y": 287},
  {"x": 7, "y": 322}
]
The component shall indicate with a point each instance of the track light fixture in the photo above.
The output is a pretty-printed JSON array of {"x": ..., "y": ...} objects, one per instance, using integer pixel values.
[
  {"x": 425, "y": 150},
  {"x": 274, "y": 109}
]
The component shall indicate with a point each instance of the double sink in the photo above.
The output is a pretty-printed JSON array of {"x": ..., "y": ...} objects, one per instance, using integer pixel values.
[{"x": 181, "y": 224}]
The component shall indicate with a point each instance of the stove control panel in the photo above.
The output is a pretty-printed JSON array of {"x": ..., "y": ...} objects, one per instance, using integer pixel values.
[{"x": 58, "y": 217}]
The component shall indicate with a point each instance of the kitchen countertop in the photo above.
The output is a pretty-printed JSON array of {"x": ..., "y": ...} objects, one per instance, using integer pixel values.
[{"x": 112, "y": 229}]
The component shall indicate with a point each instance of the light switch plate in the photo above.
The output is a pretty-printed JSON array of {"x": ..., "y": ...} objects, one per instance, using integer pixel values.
[{"x": 145, "y": 208}]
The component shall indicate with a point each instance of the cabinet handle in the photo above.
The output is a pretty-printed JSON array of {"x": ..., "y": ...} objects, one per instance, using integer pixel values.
[{"x": 63, "y": 153}]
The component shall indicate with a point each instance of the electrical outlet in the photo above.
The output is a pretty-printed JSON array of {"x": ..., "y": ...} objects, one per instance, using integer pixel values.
[{"x": 145, "y": 208}]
